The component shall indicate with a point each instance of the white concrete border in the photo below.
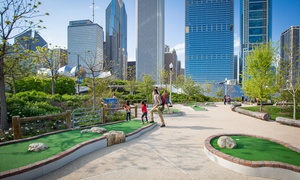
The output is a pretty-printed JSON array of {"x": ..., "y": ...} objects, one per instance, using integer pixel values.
[{"x": 265, "y": 172}]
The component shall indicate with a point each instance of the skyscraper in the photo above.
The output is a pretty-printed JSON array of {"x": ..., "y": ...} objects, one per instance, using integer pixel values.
[
  {"x": 256, "y": 25},
  {"x": 116, "y": 39},
  {"x": 30, "y": 40},
  {"x": 289, "y": 52},
  {"x": 150, "y": 39},
  {"x": 209, "y": 40},
  {"x": 85, "y": 45}
]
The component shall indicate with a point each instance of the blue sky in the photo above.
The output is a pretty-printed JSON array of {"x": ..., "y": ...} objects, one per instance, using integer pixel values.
[{"x": 285, "y": 14}]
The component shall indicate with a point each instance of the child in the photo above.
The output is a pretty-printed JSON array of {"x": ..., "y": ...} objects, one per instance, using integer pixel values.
[
  {"x": 128, "y": 112},
  {"x": 144, "y": 111}
]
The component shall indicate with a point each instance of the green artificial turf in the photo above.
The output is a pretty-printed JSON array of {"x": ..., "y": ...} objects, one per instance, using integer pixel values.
[
  {"x": 17, "y": 155},
  {"x": 275, "y": 111},
  {"x": 255, "y": 149}
]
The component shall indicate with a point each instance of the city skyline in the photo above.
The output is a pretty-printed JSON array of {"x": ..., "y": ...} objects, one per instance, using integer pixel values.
[{"x": 285, "y": 14}]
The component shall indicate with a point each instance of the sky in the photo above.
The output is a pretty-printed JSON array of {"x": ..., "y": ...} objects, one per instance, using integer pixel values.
[{"x": 285, "y": 14}]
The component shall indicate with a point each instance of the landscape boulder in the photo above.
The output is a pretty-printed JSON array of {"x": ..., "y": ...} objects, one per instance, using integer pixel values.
[
  {"x": 114, "y": 137},
  {"x": 98, "y": 130},
  {"x": 226, "y": 142},
  {"x": 36, "y": 147}
]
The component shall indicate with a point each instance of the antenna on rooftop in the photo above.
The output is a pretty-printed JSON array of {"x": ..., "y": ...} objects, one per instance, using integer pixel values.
[{"x": 93, "y": 10}]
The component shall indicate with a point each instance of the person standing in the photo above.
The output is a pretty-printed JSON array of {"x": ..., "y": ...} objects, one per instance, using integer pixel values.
[
  {"x": 224, "y": 99},
  {"x": 144, "y": 111},
  {"x": 165, "y": 95},
  {"x": 157, "y": 107},
  {"x": 127, "y": 108}
]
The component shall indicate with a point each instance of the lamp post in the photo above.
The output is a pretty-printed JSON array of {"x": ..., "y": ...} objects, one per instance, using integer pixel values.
[
  {"x": 78, "y": 73},
  {"x": 171, "y": 68}
]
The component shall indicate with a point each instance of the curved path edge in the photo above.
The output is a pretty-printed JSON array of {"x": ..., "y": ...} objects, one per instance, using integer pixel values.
[
  {"x": 266, "y": 169},
  {"x": 53, "y": 163}
]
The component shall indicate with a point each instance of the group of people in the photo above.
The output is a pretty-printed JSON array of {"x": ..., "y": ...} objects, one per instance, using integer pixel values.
[
  {"x": 159, "y": 102},
  {"x": 226, "y": 99}
]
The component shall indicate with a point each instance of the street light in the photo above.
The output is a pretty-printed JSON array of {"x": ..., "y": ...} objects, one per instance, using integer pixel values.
[
  {"x": 78, "y": 73},
  {"x": 171, "y": 68}
]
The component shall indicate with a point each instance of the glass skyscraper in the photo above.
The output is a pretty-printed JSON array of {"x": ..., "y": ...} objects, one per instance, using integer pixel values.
[
  {"x": 289, "y": 53},
  {"x": 85, "y": 45},
  {"x": 150, "y": 39},
  {"x": 209, "y": 40},
  {"x": 256, "y": 25},
  {"x": 116, "y": 39}
]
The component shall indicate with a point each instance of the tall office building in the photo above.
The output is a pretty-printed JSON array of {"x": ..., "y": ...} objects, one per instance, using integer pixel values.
[
  {"x": 289, "y": 52},
  {"x": 30, "y": 40},
  {"x": 150, "y": 39},
  {"x": 85, "y": 45},
  {"x": 116, "y": 39},
  {"x": 256, "y": 25},
  {"x": 171, "y": 57},
  {"x": 209, "y": 40}
]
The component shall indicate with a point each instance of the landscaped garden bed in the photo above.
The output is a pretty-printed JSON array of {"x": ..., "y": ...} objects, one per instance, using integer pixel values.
[
  {"x": 256, "y": 156},
  {"x": 16, "y": 155}
]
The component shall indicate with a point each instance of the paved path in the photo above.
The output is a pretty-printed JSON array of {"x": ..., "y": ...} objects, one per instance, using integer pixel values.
[{"x": 176, "y": 151}]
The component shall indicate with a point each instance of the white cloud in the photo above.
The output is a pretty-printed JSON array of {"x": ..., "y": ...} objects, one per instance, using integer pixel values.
[
  {"x": 95, "y": 7},
  {"x": 237, "y": 44},
  {"x": 180, "y": 49}
]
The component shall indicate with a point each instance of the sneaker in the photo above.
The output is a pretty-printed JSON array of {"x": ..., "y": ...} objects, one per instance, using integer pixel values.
[
  {"x": 163, "y": 125},
  {"x": 142, "y": 123}
]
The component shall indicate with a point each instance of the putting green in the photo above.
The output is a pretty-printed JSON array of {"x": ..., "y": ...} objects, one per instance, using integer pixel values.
[
  {"x": 255, "y": 149},
  {"x": 17, "y": 155}
]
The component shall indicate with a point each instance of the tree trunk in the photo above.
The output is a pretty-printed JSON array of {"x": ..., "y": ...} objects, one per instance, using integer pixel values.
[
  {"x": 52, "y": 82},
  {"x": 295, "y": 106},
  {"x": 94, "y": 92},
  {"x": 3, "y": 121},
  {"x": 260, "y": 106},
  {"x": 260, "y": 115}
]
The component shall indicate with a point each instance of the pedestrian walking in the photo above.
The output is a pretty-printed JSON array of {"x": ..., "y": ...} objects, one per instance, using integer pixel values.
[
  {"x": 157, "y": 107},
  {"x": 165, "y": 95},
  {"x": 224, "y": 99}
]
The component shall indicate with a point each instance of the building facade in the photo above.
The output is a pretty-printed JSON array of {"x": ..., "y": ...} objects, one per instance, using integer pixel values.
[
  {"x": 30, "y": 40},
  {"x": 116, "y": 39},
  {"x": 85, "y": 45},
  {"x": 289, "y": 53},
  {"x": 256, "y": 26},
  {"x": 171, "y": 57},
  {"x": 209, "y": 40},
  {"x": 150, "y": 39}
]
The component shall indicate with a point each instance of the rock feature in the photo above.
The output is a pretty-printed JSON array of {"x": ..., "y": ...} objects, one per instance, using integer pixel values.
[
  {"x": 98, "y": 130},
  {"x": 226, "y": 142},
  {"x": 114, "y": 137},
  {"x": 36, "y": 147}
]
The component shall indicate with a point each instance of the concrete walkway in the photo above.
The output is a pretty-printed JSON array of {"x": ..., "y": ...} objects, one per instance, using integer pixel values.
[{"x": 176, "y": 151}]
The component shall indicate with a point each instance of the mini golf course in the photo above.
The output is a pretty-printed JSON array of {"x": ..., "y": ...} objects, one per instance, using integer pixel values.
[
  {"x": 256, "y": 149},
  {"x": 16, "y": 155}
]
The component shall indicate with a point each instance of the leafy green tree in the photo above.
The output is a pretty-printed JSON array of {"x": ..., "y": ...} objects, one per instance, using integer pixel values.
[
  {"x": 190, "y": 88},
  {"x": 179, "y": 82},
  {"x": 220, "y": 92},
  {"x": 131, "y": 86},
  {"x": 261, "y": 81},
  {"x": 17, "y": 65},
  {"x": 146, "y": 87},
  {"x": 16, "y": 17},
  {"x": 289, "y": 75}
]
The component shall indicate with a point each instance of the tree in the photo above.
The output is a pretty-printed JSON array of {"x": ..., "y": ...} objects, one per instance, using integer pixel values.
[
  {"x": 45, "y": 57},
  {"x": 17, "y": 66},
  {"x": 146, "y": 87},
  {"x": 289, "y": 75},
  {"x": 261, "y": 81},
  {"x": 190, "y": 88},
  {"x": 15, "y": 15},
  {"x": 179, "y": 82}
]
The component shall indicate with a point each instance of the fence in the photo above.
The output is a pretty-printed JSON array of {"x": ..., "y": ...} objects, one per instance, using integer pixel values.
[
  {"x": 78, "y": 115},
  {"x": 16, "y": 120}
]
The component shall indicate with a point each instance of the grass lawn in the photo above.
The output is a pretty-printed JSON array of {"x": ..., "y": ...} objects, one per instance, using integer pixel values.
[
  {"x": 276, "y": 111},
  {"x": 17, "y": 155},
  {"x": 255, "y": 149},
  {"x": 196, "y": 108}
]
